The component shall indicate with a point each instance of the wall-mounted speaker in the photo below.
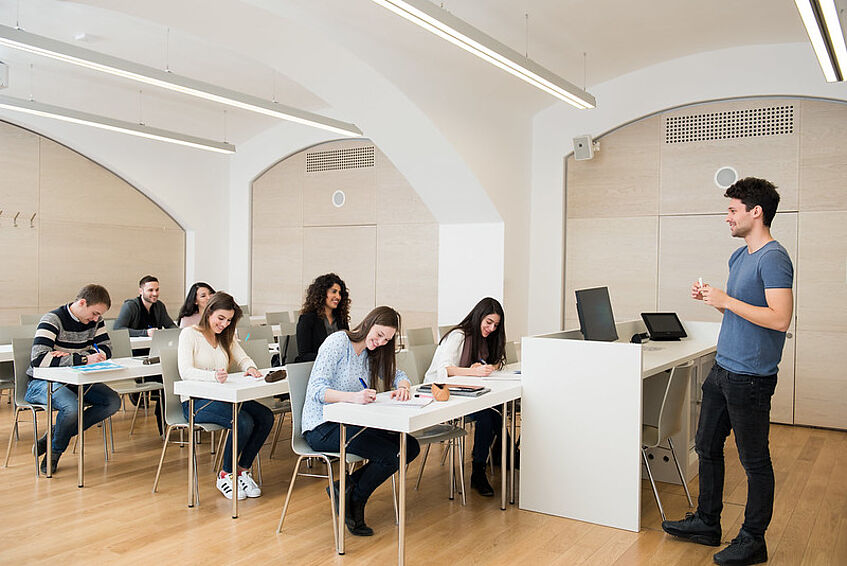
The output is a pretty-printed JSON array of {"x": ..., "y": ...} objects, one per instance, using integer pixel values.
[
  {"x": 583, "y": 147},
  {"x": 725, "y": 177},
  {"x": 338, "y": 199}
]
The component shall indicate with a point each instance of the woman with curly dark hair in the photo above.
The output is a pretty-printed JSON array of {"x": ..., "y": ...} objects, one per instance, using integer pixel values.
[{"x": 325, "y": 310}]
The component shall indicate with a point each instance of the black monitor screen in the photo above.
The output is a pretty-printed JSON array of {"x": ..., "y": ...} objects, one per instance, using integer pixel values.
[{"x": 594, "y": 308}]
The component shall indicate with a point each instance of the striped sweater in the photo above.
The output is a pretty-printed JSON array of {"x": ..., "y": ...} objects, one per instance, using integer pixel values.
[{"x": 59, "y": 331}]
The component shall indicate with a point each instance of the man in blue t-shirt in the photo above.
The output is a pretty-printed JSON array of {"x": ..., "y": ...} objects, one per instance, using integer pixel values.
[{"x": 757, "y": 307}]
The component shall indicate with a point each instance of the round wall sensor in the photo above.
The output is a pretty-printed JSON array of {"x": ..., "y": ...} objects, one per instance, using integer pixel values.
[
  {"x": 338, "y": 199},
  {"x": 725, "y": 177}
]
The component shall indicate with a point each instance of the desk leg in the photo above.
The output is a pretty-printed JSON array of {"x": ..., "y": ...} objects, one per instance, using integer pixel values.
[
  {"x": 235, "y": 460},
  {"x": 401, "y": 503},
  {"x": 512, "y": 449},
  {"x": 342, "y": 488},
  {"x": 80, "y": 395},
  {"x": 503, "y": 487},
  {"x": 49, "y": 430},
  {"x": 451, "y": 448},
  {"x": 191, "y": 456}
]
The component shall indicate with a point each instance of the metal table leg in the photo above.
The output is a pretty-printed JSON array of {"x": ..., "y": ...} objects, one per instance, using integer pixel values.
[
  {"x": 342, "y": 487},
  {"x": 401, "y": 503},
  {"x": 191, "y": 478},
  {"x": 235, "y": 460},
  {"x": 49, "y": 430},
  {"x": 80, "y": 394},
  {"x": 512, "y": 448},
  {"x": 503, "y": 486}
]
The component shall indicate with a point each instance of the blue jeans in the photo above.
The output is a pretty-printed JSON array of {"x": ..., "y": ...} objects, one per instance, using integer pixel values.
[
  {"x": 255, "y": 422},
  {"x": 742, "y": 403},
  {"x": 380, "y": 447},
  {"x": 488, "y": 424},
  {"x": 102, "y": 403}
]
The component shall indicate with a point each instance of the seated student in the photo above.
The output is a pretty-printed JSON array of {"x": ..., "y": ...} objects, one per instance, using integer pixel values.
[
  {"x": 325, "y": 310},
  {"x": 144, "y": 314},
  {"x": 198, "y": 295},
  {"x": 476, "y": 346},
  {"x": 72, "y": 335},
  {"x": 345, "y": 361},
  {"x": 206, "y": 352}
]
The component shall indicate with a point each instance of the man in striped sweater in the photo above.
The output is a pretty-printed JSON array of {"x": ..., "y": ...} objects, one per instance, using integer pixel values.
[{"x": 72, "y": 335}]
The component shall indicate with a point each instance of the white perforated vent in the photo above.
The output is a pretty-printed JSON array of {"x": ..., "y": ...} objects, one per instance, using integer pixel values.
[
  {"x": 730, "y": 124},
  {"x": 335, "y": 159}
]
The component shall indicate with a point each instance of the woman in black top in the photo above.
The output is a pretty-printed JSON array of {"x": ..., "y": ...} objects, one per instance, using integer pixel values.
[{"x": 325, "y": 310}]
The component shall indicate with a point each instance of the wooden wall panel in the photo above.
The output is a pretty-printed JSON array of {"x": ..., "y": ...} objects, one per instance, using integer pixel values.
[
  {"x": 823, "y": 159},
  {"x": 688, "y": 169},
  {"x": 822, "y": 273},
  {"x": 19, "y": 272},
  {"x": 276, "y": 201},
  {"x": 278, "y": 270},
  {"x": 349, "y": 251},
  {"x": 18, "y": 174},
  {"x": 623, "y": 177},
  {"x": 821, "y": 384},
  {"x": 620, "y": 254},
  {"x": 396, "y": 201},
  {"x": 359, "y": 186}
]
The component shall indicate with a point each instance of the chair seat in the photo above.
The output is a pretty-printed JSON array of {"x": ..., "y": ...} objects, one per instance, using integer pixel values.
[
  {"x": 130, "y": 386},
  {"x": 438, "y": 433},
  {"x": 302, "y": 448},
  {"x": 649, "y": 436}
]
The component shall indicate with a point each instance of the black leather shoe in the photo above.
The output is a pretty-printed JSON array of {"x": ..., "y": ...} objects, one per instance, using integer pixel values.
[
  {"x": 744, "y": 549},
  {"x": 54, "y": 459},
  {"x": 40, "y": 446},
  {"x": 695, "y": 529},
  {"x": 479, "y": 481},
  {"x": 355, "y": 517}
]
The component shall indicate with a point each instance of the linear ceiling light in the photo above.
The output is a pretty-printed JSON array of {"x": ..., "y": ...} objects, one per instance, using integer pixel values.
[
  {"x": 76, "y": 117},
  {"x": 19, "y": 39},
  {"x": 472, "y": 40},
  {"x": 824, "y": 28}
]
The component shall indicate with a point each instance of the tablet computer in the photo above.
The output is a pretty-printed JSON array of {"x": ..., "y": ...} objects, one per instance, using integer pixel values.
[{"x": 663, "y": 325}]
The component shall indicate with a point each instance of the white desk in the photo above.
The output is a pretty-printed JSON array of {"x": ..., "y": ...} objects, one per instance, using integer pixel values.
[
  {"x": 70, "y": 376},
  {"x": 137, "y": 343},
  {"x": 406, "y": 420},
  {"x": 581, "y": 420},
  {"x": 140, "y": 342},
  {"x": 236, "y": 389},
  {"x": 6, "y": 353}
]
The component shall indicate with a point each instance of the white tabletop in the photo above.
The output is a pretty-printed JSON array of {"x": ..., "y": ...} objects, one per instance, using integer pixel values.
[
  {"x": 236, "y": 389},
  {"x": 132, "y": 368},
  {"x": 6, "y": 353},
  {"x": 139, "y": 342},
  {"x": 409, "y": 419},
  {"x": 657, "y": 357}
]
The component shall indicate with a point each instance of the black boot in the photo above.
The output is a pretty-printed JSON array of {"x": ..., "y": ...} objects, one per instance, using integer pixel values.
[
  {"x": 40, "y": 446},
  {"x": 479, "y": 481},
  {"x": 695, "y": 529},
  {"x": 744, "y": 549},
  {"x": 54, "y": 459},
  {"x": 355, "y": 517}
]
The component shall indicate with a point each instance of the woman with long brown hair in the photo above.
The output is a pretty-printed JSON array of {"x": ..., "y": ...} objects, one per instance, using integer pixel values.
[
  {"x": 206, "y": 353},
  {"x": 348, "y": 369},
  {"x": 325, "y": 310}
]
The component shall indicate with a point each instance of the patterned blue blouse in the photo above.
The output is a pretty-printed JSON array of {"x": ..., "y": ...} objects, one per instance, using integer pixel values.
[{"x": 336, "y": 367}]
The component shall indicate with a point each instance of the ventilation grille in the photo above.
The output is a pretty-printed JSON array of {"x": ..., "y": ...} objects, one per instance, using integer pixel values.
[
  {"x": 336, "y": 159},
  {"x": 731, "y": 124}
]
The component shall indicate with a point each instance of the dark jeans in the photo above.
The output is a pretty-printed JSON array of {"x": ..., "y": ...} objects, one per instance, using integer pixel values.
[
  {"x": 742, "y": 403},
  {"x": 380, "y": 447},
  {"x": 488, "y": 425},
  {"x": 255, "y": 422}
]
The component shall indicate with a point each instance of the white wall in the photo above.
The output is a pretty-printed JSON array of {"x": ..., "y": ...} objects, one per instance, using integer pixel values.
[{"x": 785, "y": 69}]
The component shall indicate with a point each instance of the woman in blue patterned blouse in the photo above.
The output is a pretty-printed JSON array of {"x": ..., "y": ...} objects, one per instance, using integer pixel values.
[{"x": 347, "y": 360}]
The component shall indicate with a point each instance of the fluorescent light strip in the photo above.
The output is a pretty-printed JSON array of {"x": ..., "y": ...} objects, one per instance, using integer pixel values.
[
  {"x": 76, "y": 117},
  {"x": 472, "y": 40},
  {"x": 19, "y": 39},
  {"x": 835, "y": 33},
  {"x": 819, "y": 43}
]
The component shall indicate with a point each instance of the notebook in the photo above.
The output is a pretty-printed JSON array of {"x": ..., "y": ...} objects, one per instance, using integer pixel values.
[
  {"x": 459, "y": 389},
  {"x": 414, "y": 402},
  {"x": 101, "y": 366}
]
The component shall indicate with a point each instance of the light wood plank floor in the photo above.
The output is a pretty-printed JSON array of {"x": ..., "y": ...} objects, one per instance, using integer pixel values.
[{"x": 116, "y": 519}]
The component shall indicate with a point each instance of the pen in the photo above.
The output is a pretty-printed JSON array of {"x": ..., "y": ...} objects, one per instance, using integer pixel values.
[
  {"x": 246, "y": 338},
  {"x": 96, "y": 349},
  {"x": 700, "y": 281},
  {"x": 425, "y": 396},
  {"x": 362, "y": 381}
]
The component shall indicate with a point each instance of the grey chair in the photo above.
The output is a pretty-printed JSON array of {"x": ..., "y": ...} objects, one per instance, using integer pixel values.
[
  {"x": 660, "y": 425},
  {"x": 246, "y": 310},
  {"x": 288, "y": 348},
  {"x": 253, "y": 333},
  {"x": 27, "y": 319},
  {"x": 298, "y": 378},
  {"x": 444, "y": 329},
  {"x": 419, "y": 336},
  {"x": 512, "y": 352},
  {"x": 122, "y": 348},
  {"x": 272, "y": 318},
  {"x": 423, "y": 358},
  {"x": 258, "y": 352},
  {"x": 174, "y": 417},
  {"x": 9, "y": 333}
]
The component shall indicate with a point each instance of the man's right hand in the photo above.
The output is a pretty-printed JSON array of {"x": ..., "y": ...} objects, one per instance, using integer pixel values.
[
  {"x": 96, "y": 358},
  {"x": 150, "y": 331},
  {"x": 696, "y": 289}
]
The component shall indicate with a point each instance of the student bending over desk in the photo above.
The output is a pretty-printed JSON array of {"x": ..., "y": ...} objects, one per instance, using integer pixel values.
[
  {"x": 206, "y": 351},
  {"x": 476, "y": 347},
  {"x": 347, "y": 369}
]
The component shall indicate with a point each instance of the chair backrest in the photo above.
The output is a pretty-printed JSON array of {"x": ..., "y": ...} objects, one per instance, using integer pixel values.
[
  {"x": 170, "y": 374},
  {"x": 27, "y": 319},
  {"x": 277, "y": 317},
  {"x": 512, "y": 352},
  {"x": 110, "y": 324},
  {"x": 670, "y": 415},
  {"x": 291, "y": 350},
  {"x": 298, "y": 380},
  {"x": 295, "y": 316},
  {"x": 9, "y": 333},
  {"x": 164, "y": 338},
  {"x": 250, "y": 333},
  {"x": 443, "y": 329},
  {"x": 423, "y": 358},
  {"x": 246, "y": 310},
  {"x": 406, "y": 362},
  {"x": 419, "y": 336},
  {"x": 121, "y": 346},
  {"x": 22, "y": 352},
  {"x": 258, "y": 352}
]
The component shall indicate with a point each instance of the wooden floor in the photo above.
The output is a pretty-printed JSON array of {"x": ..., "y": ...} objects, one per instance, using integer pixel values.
[{"x": 116, "y": 519}]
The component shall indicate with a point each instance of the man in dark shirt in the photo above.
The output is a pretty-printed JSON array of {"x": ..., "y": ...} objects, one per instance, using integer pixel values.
[{"x": 144, "y": 314}]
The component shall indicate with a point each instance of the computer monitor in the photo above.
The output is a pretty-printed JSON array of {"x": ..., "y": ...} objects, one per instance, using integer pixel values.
[{"x": 594, "y": 308}]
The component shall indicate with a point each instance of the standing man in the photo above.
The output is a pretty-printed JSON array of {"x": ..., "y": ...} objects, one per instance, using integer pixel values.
[
  {"x": 757, "y": 308},
  {"x": 144, "y": 314},
  {"x": 72, "y": 335}
]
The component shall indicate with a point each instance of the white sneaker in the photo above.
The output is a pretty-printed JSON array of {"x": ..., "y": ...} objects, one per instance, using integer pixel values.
[
  {"x": 224, "y": 485},
  {"x": 247, "y": 485}
]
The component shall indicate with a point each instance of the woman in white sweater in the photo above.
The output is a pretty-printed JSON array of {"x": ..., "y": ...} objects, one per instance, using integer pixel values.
[
  {"x": 207, "y": 351},
  {"x": 476, "y": 346}
]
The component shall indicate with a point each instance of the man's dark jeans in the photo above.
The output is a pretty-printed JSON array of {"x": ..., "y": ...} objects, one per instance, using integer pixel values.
[{"x": 742, "y": 403}]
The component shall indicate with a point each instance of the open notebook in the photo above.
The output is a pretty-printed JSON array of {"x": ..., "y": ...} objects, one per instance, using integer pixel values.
[{"x": 414, "y": 402}]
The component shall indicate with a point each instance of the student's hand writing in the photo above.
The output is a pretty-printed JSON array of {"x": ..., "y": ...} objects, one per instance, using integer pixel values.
[
  {"x": 363, "y": 397},
  {"x": 150, "y": 331},
  {"x": 253, "y": 372},
  {"x": 696, "y": 291},
  {"x": 96, "y": 358},
  {"x": 401, "y": 394},
  {"x": 479, "y": 370},
  {"x": 220, "y": 375}
]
